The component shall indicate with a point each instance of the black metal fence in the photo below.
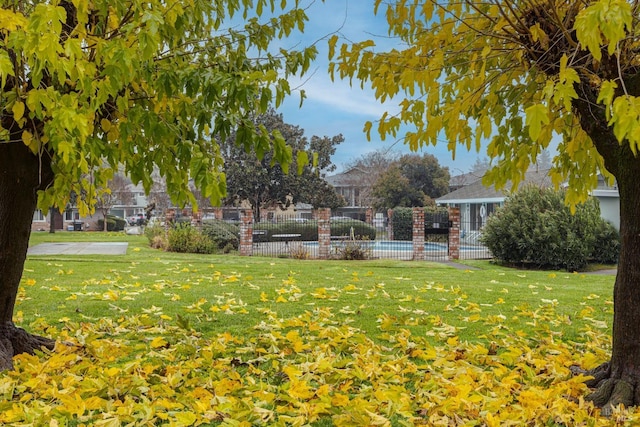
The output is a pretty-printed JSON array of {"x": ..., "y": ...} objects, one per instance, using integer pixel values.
[
  {"x": 471, "y": 246},
  {"x": 351, "y": 238}
]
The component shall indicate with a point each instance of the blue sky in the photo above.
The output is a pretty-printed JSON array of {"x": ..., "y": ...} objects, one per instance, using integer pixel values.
[{"x": 333, "y": 108}]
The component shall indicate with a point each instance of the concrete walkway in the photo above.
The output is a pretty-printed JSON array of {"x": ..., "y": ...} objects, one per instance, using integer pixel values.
[{"x": 79, "y": 248}]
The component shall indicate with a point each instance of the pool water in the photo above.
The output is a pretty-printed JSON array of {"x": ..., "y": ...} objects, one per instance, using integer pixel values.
[{"x": 382, "y": 245}]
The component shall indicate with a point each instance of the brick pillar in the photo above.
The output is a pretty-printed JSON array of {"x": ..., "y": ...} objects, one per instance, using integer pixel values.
[
  {"x": 368, "y": 214},
  {"x": 390, "y": 224},
  {"x": 418, "y": 234},
  {"x": 454, "y": 233},
  {"x": 246, "y": 232},
  {"x": 324, "y": 232},
  {"x": 217, "y": 213}
]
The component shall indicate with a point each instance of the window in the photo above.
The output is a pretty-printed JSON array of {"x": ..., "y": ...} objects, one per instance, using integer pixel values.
[
  {"x": 38, "y": 216},
  {"x": 70, "y": 215}
]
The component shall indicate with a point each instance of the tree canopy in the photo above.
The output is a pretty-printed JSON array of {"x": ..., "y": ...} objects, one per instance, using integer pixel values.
[
  {"x": 519, "y": 75},
  {"x": 93, "y": 85},
  {"x": 263, "y": 182},
  {"x": 89, "y": 87},
  {"x": 506, "y": 73},
  {"x": 410, "y": 181}
]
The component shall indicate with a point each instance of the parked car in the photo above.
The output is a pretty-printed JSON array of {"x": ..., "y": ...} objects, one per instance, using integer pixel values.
[{"x": 138, "y": 219}]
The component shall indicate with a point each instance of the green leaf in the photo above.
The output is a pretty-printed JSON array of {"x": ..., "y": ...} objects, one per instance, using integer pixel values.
[
  {"x": 607, "y": 92},
  {"x": 6, "y": 67},
  {"x": 17, "y": 110},
  {"x": 536, "y": 116},
  {"x": 587, "y": 28},
  {"x": 302, "y": 159}
]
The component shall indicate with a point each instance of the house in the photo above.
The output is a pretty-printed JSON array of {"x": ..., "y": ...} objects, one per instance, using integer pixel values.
[
  {"x": 477, "y": 201},
  {"x": 132, "y": 205},
  {"x": 355, "y": 186}
]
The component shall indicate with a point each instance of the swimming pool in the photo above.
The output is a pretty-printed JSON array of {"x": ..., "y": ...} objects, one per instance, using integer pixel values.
[
  {"x": 384, "y": 245},
  {"x": 399, "y": 245}
]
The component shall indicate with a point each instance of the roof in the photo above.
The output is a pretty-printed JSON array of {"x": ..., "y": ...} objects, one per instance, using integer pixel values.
[
  {"x": 477, "y": 192},
  {"x": 462, "y": 180},
  {"x": 350, "y": 178}
]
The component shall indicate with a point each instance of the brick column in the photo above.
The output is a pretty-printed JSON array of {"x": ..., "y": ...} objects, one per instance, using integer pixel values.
[
  {"x": 418, "y": 234},
  {"x": 324, "y": 232},
  {"x": 390, "y": 224},
  {"x": 454, "y": 233},
  {"x": 246, "y": 232}
]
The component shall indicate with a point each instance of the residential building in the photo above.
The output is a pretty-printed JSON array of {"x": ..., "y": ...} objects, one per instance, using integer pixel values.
[{"x": 477, "y": 201}]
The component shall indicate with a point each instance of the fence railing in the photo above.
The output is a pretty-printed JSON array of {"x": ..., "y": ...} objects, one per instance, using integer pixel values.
[{"x": 325, "y": 237}]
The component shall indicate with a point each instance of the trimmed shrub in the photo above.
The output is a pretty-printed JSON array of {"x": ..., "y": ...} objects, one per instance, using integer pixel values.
[
  {"x": 157, "y": 236},
  {"x": 114, "y": 223},
  {"x": 402, "y": 223},
  {"x": 536, "y": 227},
  {"x": 182, "y": 237},
  {"x": 353, "y": 228},
  {"x": 308, "y": 230},
  {"x": 152, "y": 231},
  {"x": 607, "y": 244},
  {"x": 225, "y": 236}
]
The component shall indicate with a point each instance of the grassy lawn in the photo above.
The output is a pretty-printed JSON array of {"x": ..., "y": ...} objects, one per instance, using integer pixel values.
[{"x": 225, "y": 340}]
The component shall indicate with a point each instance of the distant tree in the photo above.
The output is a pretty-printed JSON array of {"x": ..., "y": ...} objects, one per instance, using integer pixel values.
[
  {"x": 256, "y": 178},
  {"x": 544, "y": 161},
  {"x": 480, "y": 166},
  {"x": 412, "y": 180},
  {"x": 370, "y": 165},
  {"x": 158, "y": 194},
  {"x": 392, "y": 189},
  {"x": 378, "y": 160},
  {"x": 116, "y": 192}
]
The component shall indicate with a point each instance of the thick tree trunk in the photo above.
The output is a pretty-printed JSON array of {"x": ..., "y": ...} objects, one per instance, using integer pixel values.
[
  {"x": 618, "y": 381},
  {"x": 21, "y": 175}
]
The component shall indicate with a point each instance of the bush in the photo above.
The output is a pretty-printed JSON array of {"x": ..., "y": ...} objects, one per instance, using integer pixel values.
[
  {"x": 354, "y": 250},
  {"x": 153, "y": 231},
  {"x": 607, "y": 244},
  {"x": 182, "y": 237},
  {"x": 353, "y": 228},
  {"x": 308, "y": 230},
  {"x": 225, "y": 236},
  {"x": 402, "y": 223},
  {"x": 536, "y": 227},
  {"x": 114, "y": 223},
  {"x": 157, "y": 236}
]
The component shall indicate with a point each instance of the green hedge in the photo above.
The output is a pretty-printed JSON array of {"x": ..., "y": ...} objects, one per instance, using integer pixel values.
[
  {"x": 308, "y": 230},
  {"x": 114, "y": 223},
  {"x": 225, "y": 236},
  {"x": 535, "y": 227},
  {"x": 182, "y": 237},
  {"x": 402, "y": 221},
  {"x": 353, "y": 228}
]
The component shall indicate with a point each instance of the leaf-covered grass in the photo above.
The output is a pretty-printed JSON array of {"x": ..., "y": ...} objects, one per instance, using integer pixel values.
[{"x": 156, "y": 337}]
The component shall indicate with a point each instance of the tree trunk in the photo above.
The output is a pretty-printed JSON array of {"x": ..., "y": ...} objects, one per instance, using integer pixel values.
[
  {"x": 21, "y": 175},
  {"x": 618, "y": 381}
]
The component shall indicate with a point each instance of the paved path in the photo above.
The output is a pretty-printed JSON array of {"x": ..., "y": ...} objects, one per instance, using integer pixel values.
[{"x": 79, "y": 248}]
